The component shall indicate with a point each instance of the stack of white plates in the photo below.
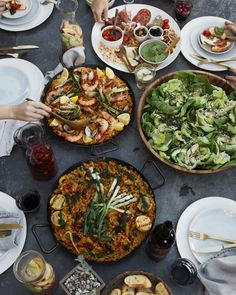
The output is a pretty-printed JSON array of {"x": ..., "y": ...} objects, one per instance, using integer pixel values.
[
  {"x": 215, "y": 216},
  {"x": 34, "y": 15},
  {"x": 111, "y": 2}
]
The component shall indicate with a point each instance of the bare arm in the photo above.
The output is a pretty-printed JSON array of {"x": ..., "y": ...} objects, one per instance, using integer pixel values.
[
  {"x": 100, "y": 10},
  {"x": 26, "y": 111}
]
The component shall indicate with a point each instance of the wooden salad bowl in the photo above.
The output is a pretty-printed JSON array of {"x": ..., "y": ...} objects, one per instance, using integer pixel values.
[{"x": 215, "y": 80}]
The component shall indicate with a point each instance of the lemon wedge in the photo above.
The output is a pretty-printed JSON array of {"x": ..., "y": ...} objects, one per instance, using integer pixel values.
[
  {"x": 124, "y": 118},
  {"x": 99, "y": 73},
  {"x": 119, "y": 126},
  {"x": 53, "y": 123},
  {"x": 109, "y": 73},
  {"x": 87, "y": 139},
  {"x": 57, "y": 202},
  {"x": 63, "y": 78},
  {"x": 74, "y": 98},
  {"x": 33, "y": 269},
  {"x": 64, "y": 99}
]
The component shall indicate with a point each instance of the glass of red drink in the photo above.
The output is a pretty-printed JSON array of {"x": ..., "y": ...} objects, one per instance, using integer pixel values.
[
  {"x": 39, "y": 154},
  {"x": 182, "y": 9}
]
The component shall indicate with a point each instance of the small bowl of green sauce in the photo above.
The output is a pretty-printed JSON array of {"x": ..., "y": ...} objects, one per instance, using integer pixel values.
[{"x": 153, "y": 51}]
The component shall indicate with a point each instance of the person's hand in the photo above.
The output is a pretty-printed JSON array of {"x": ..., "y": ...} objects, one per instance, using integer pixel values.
[
  {"x": 29, "y": 111},
  {"x": 231, "y": 27},
  {"x": 2, "y": 7},
  {"x": 100, "y": 10}
]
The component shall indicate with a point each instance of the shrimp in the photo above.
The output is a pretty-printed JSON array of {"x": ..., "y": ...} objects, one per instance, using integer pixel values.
[
  {"x": 117, "y": 98},
  {"x": 88, "y": 110},
  {"x": 89, "y": 79},
  {"x": 103, "y": 127},
  {"x": 112, "y": 121},
  {"x": 86, "y": 102},
  {"x": 74, "y": 138}
]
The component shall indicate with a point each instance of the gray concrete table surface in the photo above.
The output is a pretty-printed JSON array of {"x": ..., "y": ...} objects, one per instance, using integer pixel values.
[{"x": 180, "y": 190}]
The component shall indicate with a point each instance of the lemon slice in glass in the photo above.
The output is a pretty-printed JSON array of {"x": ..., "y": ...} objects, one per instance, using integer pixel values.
[
  {"x": 63, "y": 78},
  {"x": 124, "y": 118}
]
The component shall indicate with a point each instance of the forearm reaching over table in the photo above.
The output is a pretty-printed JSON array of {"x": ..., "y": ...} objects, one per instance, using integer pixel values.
[
  {"x": 25, "y": 111},
  {"x": 231, "y": 79}
]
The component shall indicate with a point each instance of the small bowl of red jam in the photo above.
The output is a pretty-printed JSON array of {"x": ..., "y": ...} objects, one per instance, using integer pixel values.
[
  {"x": 141, "y": 33},
  {"x": 112, "y": 37},
  {"x": 156, "y": 32}
]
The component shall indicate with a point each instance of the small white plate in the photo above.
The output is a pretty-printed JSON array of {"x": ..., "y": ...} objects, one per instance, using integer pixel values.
[
  {"x": 14, "y": 85},
  {"x": 7, "y": 258},
  {"x": 32, "y": 74},
  {"x": 187, "y": 49},
  {"x": 195, "y": 43},
  {"x": 19, "y": 13},
  {"x": 43, "y": 13},
  {"x": 188, "y": 215},
  {"x": 133, "y": 9},
  {"x": 26, "y": 19},
  {"x": 217, "y": 221}
]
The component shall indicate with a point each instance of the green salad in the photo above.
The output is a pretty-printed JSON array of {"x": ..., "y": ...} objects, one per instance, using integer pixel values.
[{"x": 191, "y": 122}]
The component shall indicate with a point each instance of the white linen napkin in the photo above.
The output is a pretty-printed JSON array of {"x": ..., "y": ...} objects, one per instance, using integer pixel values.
[
  {"x": 71, "y": 58},
  {"x": 218, "y": 274}
]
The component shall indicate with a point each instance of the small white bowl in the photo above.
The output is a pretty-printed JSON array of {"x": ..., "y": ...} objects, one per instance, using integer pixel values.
[
  {"x": 160, "y": 37},
  {"x": 112, "y": 44},
  {"x": 140, "y": 38},
  {"x": 148, "y": 42}
]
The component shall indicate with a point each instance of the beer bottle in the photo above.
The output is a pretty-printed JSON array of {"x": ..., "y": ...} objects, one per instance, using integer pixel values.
[{"x": 161, "y": 240}]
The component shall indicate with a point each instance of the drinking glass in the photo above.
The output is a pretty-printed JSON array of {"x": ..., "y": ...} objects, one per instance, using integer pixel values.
[
  {"x": 144, "y": 75},
  {"x": 182, "y": 9},
  {"x": 71, "y": 32},
  {"x": 128, "y": 1},
  {"x": 39, "y": 155},
  {"x": 183, "y": 272},
  {"x": 35, "y": 273},
  {"x": 30, "y": 202}
]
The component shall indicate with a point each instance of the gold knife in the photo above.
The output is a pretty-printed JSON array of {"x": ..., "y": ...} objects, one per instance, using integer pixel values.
[
  {"x": 10, "y": 226},
  {"x": 19, "y": 47}
]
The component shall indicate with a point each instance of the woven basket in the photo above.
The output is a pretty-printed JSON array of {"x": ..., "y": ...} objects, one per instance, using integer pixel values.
[{"x": 215, "y": 80}]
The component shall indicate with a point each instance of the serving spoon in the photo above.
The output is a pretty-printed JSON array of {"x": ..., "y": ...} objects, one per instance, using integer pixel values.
[{"x": 76, "y": 124}]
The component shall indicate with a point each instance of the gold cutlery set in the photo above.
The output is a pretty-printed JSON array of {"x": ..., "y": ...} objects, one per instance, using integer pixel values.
[
  {"x": 3, "y": 50},
  {"x": 6, "y": 229},
  {"x": 203, "y": 60},
  {"x": 211, "y": 249}
]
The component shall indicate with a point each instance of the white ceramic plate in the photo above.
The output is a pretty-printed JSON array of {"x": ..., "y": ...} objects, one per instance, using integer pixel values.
[
  {"x": 14, "y": 85},
  {"x": 186, "y": 45},
  {"x": 7, "y": 258},
  {"x": 42, "y": 13},
  {"x": 19, "y": 13},
  {"x": 186, "y": 218},
  {"x": 24, "y": 20},
  {"x": 31, "y": 74},
  {"x": 217, "y": 221},
  {"x": 197, "y": 47},
  {"x": 134, "y": 8}
]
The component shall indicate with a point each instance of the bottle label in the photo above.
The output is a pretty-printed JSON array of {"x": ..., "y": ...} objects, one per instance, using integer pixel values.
[{"x": 158, "y": 253}]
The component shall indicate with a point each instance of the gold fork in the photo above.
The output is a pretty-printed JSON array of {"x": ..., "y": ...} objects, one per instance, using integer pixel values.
[{"x": 204, "y": 236}]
